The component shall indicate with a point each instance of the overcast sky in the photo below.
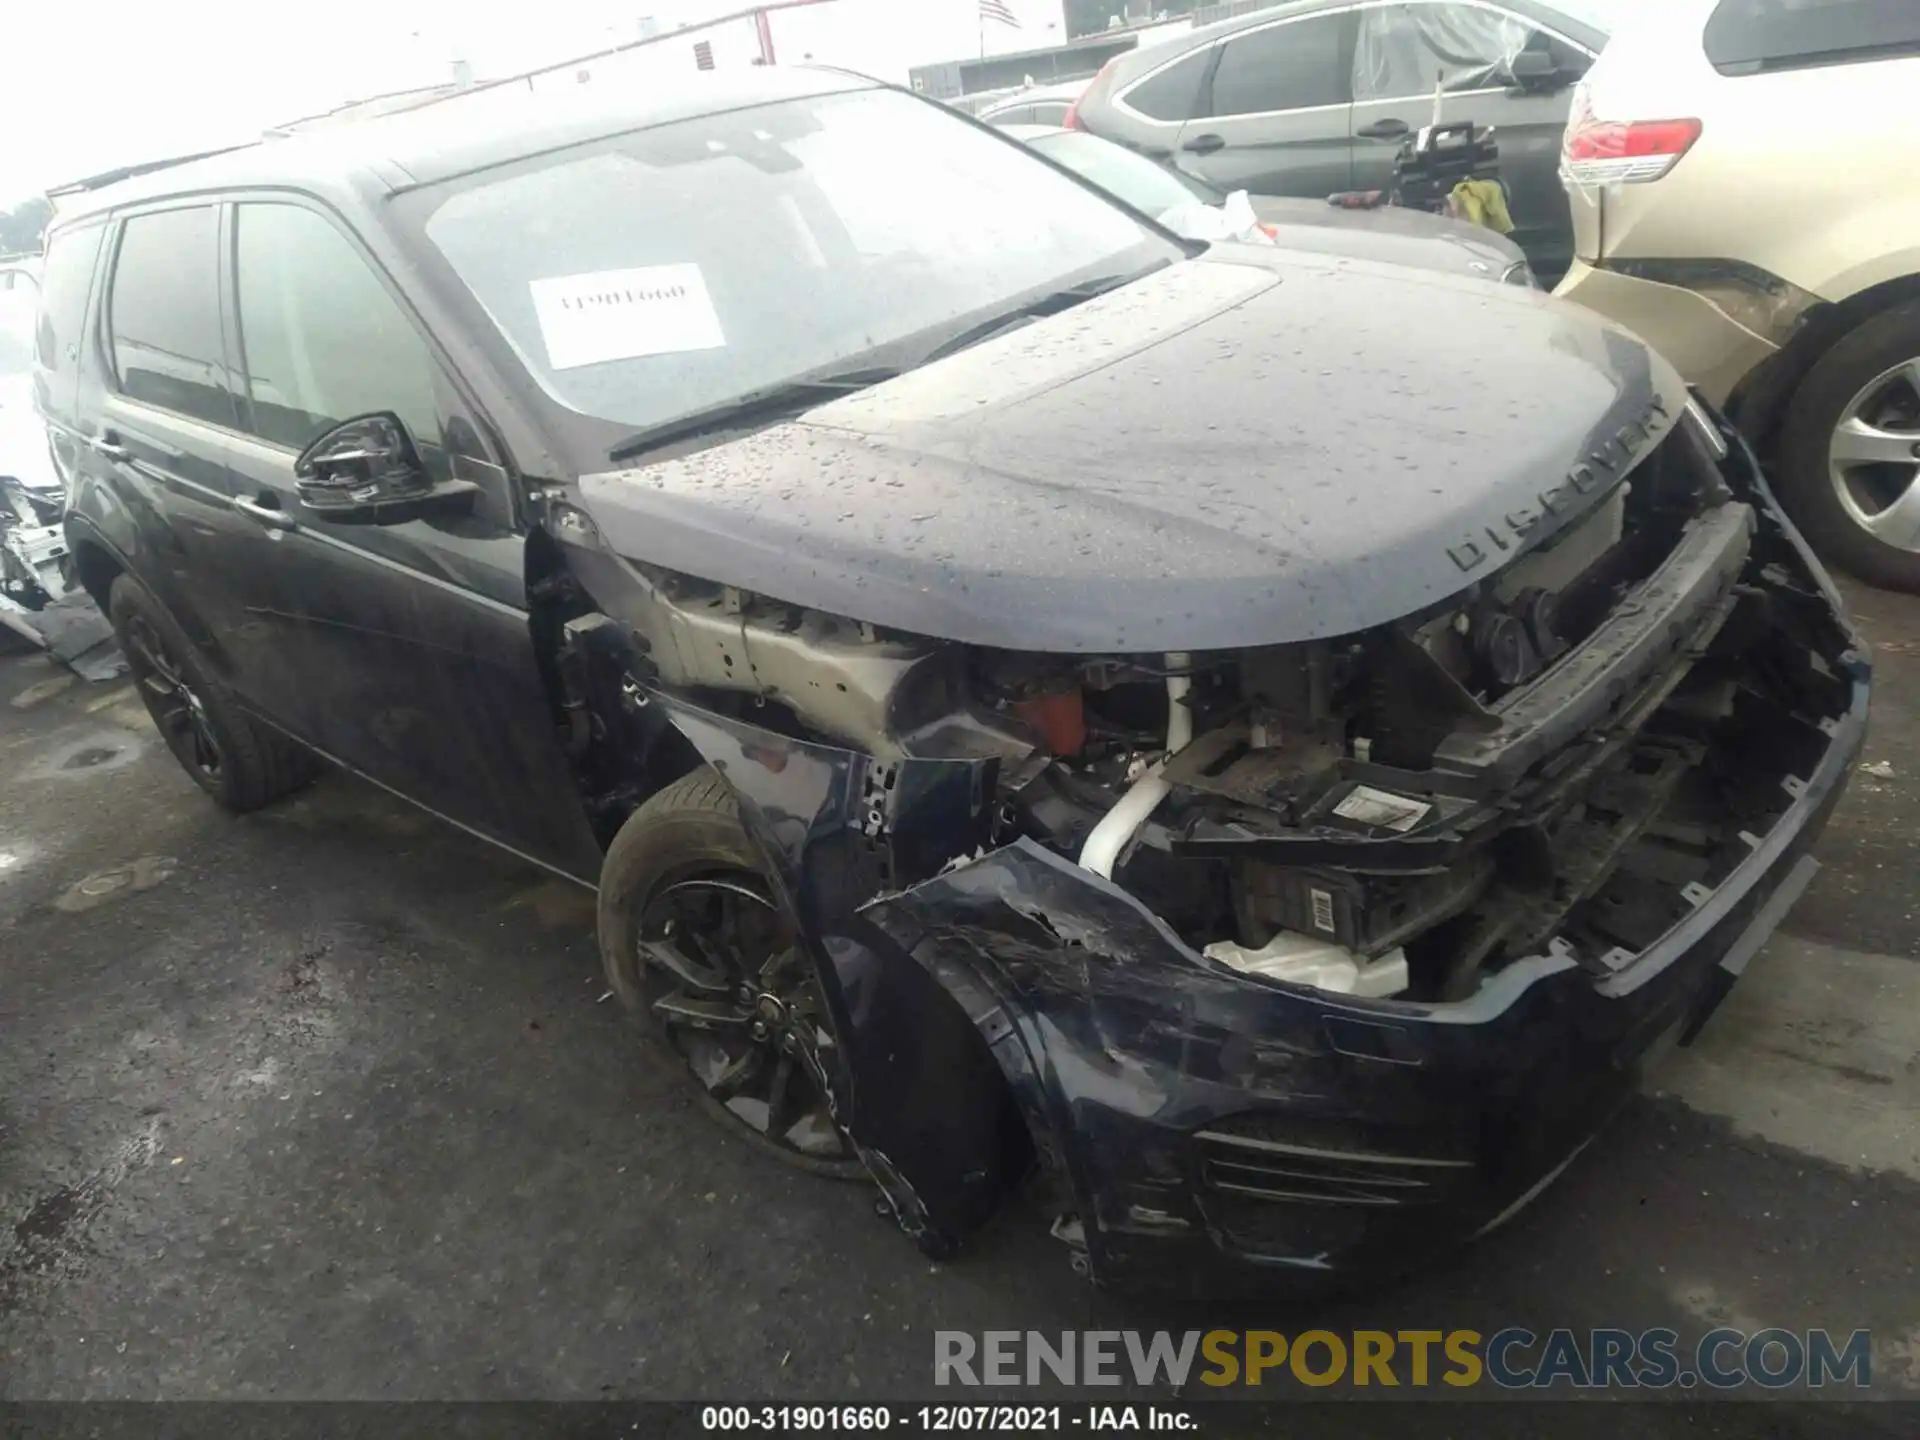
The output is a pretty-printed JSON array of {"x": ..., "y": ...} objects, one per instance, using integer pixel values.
[{"x": 88, "y": 86}]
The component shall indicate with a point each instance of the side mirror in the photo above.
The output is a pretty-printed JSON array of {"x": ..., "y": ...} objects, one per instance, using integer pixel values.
[
  {"x": 368, "y": 470},
  {"x": 1535, "y": 72}
]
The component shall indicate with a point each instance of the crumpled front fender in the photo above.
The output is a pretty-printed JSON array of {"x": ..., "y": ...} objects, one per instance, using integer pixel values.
[
  {"x": 967, "y": 988},
  {"x": 910, "y": 1082}
]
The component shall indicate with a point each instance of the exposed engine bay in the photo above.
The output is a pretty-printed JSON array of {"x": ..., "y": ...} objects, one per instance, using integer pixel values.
[{"x": 1393, "y": 813}]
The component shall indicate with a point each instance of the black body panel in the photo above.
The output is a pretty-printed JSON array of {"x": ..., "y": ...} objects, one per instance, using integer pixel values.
[{"x": 1241, "y": 450}]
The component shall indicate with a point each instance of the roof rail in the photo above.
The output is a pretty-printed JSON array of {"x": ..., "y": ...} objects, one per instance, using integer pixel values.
[{"x": 147, "y": 167}]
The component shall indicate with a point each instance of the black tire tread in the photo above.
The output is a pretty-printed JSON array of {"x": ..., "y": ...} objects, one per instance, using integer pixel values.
[
  {"x": 697, "y": 816},
  {"x": 258, "y": 764}
]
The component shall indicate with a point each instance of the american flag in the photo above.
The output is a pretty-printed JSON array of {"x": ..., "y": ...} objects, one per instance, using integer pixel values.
[{"x": 999, "y": 10}]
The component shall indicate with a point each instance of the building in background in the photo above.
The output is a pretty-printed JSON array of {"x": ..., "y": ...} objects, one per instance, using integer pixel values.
[
  {"x": 939, "y": 47},
  {"x": 970, "y": 75},
  {"x": 1090, "y": 17},
  {"x": 888, "y": 39}
]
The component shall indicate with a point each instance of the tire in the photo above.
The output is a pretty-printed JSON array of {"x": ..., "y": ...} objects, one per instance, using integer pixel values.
[
  {"x": 252, "y": 764},
  {"x": 1864, "y": 363},
  {"x": 685, "y": 837}
]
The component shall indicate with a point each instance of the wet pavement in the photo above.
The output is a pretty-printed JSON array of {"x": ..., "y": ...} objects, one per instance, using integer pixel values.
[{"x": 329, "y": 1102}]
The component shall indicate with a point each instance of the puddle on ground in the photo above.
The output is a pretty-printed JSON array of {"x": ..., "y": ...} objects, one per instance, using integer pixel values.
[
  {"x": 90, "y": 756},
  {"x": 104, "y": 885},
  {"x": 84, "y": 751}
]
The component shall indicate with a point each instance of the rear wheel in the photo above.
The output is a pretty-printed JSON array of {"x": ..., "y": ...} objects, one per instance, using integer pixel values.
[
  {"x": 1850, "y": 452},
  {"x": 234, "y": 758},
  {"x": 695, "y": 946}
]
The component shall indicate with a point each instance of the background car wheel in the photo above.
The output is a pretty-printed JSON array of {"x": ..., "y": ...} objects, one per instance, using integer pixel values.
[
  {"x": 694, "y": 945},
  {"x": 234, "y": 758},
  {"x": 1850, "y": 452}
]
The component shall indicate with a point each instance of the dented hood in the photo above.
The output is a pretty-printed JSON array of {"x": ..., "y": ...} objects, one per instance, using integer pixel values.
[{"x": 1244, "y": 449}]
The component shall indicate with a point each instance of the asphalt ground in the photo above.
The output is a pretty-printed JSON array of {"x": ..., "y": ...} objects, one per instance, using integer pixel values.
[{"x": 326, "y": 1102}]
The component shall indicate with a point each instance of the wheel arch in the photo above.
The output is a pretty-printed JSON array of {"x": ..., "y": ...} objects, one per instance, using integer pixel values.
[
  {"x": 1758, "y": 404},
  {"x": 96, "y": 566},
  {"x": 934, "y": 1069}
]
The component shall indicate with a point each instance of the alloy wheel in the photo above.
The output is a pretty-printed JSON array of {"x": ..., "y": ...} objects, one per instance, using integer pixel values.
[
  {"x": 176, "y": 707},
  {"x": 1874, "y": 457},
  {"x": 739, "y": 1004}
]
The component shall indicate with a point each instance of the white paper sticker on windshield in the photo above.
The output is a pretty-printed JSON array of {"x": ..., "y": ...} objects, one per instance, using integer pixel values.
[
  {"x": 1369, "y": 806},
  {"x": 623, "y": 314}
]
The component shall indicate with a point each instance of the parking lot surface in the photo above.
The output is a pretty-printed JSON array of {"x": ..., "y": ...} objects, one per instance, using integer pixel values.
[{"x": 329, "y": 1102}]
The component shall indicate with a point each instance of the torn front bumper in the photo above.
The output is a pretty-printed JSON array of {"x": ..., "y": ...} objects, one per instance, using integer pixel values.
[
  {"x": 1200, "y": 1123},
  {"x": 1200, "y": 1117}
]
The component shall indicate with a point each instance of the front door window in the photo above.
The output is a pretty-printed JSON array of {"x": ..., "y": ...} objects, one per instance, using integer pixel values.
[{"x": 1402, "y": 50}]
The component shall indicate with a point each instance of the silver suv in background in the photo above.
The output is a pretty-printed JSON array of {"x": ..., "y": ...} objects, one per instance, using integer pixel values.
[
  {"x": 1742, "y": 198},
  {"x": 1315, "y": 97}
]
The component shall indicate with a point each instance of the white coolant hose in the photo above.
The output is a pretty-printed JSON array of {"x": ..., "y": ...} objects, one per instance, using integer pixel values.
[{"x": 1117, "y": 826}]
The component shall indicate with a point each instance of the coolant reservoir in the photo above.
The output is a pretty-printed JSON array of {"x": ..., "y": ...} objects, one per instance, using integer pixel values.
[{"x": 1303, "y": 960}]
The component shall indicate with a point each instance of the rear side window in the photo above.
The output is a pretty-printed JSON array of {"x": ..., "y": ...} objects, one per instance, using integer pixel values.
[
  {"x": 1012, "y": 115},
  {"x": 1174, "y": 93},
  {"x": 324, "y": 339},
  {"x": 1745, "y": 37},
  {"x": 1284, "y": 67},
  {"x": 65, "y": 277},
  {"x": 1402, "y": 50},
  {"x": 164, "y": 314}
]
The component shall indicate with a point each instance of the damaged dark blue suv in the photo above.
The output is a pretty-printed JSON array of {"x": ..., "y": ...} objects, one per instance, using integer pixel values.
[{"x": 1266, "y": 743}]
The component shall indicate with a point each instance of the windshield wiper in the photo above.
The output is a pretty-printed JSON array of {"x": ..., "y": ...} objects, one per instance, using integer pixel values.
[
  {"x": 1034, "y": 310},
  {"x": 775, "y": 400}
]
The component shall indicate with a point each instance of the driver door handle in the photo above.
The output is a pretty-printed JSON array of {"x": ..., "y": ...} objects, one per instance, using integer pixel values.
[
  {"x": 1205, "y": 144},
  {"x": 1388, "y": 129},
  {"x": 271, "y": 516},
  {"x": 107, "y": 445}
]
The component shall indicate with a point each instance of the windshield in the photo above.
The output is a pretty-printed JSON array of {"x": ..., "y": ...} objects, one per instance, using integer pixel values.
[
  {"x": 1137, "y": 180},
  {"x": 669, "y": 270}
]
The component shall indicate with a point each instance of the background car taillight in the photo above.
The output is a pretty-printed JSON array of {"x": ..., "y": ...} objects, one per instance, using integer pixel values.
[{"x": 1601, "y": 152}]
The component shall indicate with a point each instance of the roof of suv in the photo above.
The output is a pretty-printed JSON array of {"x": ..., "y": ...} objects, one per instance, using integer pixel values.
[{"x": 489, "y": 126}]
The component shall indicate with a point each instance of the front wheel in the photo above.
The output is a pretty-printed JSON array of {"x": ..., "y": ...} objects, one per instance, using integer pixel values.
[
  {"x": 1850, "y": 452},
  {"x": 694, "y": 945}
]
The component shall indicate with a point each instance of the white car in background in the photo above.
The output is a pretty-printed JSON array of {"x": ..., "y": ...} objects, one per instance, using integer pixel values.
[
  {"x": 32, "y": 544},
  {"x": 1741, "y": 176},
  {"x": 1033, "y": 105}
]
